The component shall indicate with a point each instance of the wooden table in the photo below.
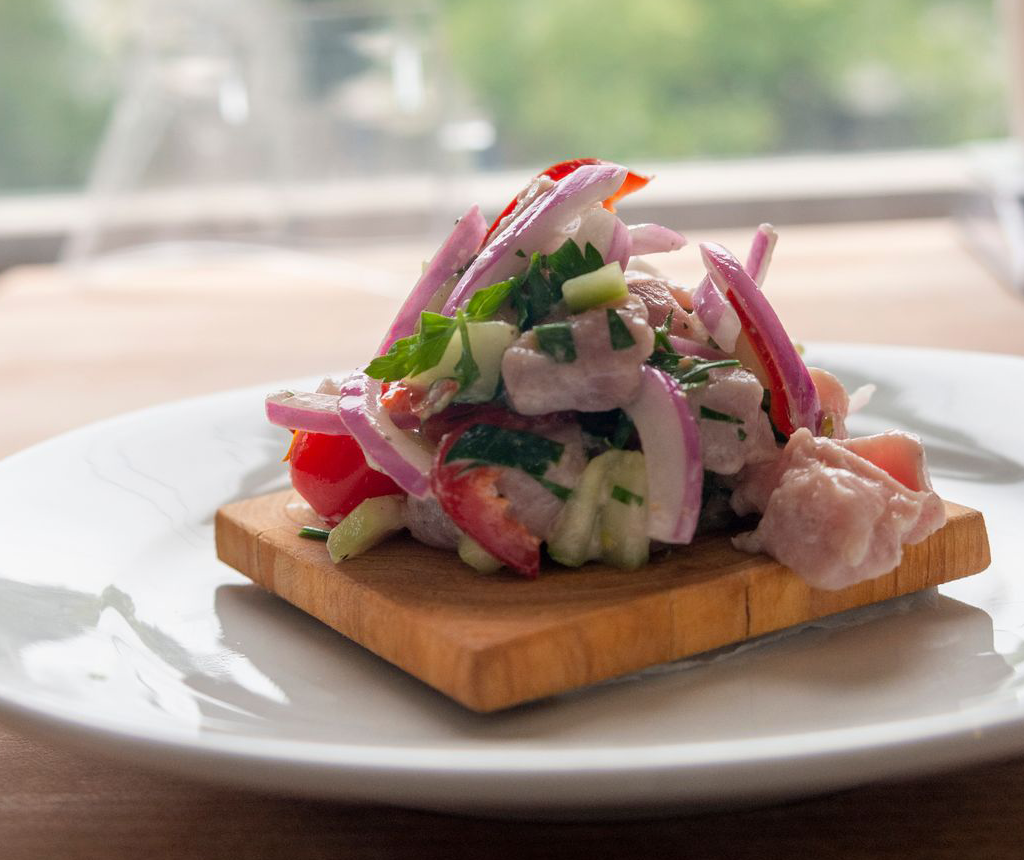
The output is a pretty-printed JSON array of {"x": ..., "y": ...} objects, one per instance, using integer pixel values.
[{"x": 141, "y": 336}]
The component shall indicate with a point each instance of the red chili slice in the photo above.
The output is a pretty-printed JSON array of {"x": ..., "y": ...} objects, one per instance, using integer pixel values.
[{"x": 633, "y": 182}]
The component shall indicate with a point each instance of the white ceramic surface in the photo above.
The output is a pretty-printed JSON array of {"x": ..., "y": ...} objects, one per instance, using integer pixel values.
[{"x": 119, "y": 630}]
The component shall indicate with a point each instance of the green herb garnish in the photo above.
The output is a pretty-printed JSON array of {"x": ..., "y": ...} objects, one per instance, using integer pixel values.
[
  {"x": 423, "y": 350},
  {"x": 314, "y": 533},
  {"x": 487, "y": 443},
  {"x": 742, "y": 434},
  {"x": 558, "y": 490},
  {"x": 621, "y": 494},
  {"x": 715, "y": 415},
  {"x": 466, "y": 370},
  {"x": 618, "y": 331},
  {"x": 556, "y": 340}
]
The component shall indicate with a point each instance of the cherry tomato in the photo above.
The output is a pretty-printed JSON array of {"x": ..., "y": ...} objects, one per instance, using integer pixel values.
[
  {"x": 469, "y": 495},
  {"x": 633, "y": 182},
  {"x": 331, "y": 473}
]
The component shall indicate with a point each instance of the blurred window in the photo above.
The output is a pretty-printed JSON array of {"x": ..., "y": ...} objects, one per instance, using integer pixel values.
[{"x": 645, "y": 80}]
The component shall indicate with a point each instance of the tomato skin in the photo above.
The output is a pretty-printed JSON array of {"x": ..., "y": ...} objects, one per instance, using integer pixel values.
[
  {"x": 632, "y": 182},
  {"x": 332, "y": 475},
  {"x": 469, "y": 495}
]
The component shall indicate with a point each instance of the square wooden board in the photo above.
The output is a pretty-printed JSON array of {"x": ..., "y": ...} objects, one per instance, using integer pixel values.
[{"x": 491, "y": 642}]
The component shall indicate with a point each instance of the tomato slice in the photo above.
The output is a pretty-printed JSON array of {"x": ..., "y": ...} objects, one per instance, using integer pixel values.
[
  {"x": 331, "y": 473},
  {"x": 633, "y": 182},
  {"x": 468, "y": 494}
]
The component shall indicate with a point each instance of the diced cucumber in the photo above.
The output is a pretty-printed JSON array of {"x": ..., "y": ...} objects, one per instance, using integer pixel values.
[
  {"x": 487, "y": 341},
  {"x": 575, "y": 537},
  {"x": 606, "y": 284},
  {"x": 476, "y": 556},
  {"x": 366, "y": 526},
  {"x": 623, "y": 517}
]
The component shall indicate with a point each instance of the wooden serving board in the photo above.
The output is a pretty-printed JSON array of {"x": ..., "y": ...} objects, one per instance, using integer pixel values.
[{"x": 494, "y": 641}]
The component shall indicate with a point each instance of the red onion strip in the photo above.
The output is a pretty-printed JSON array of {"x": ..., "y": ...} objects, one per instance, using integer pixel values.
[
  {"x": 457, "y": 250},
  {"x": 654, "y": 239},
  {"x": 395, "y": 452},
  {"x": 768, "y": 339},
  {"x": 671, "y": 445},
  {"x": 760, "y": 255},
  {"x": 302, "y": 410},
  {"x": 549, "y": 213}
]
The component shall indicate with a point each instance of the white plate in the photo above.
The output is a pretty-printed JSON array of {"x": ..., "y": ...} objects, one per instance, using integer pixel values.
[{"x": 119, "y": 630}]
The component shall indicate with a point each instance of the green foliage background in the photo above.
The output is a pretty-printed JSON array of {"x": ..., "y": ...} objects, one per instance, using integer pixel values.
[
  {"x": 678, "y": 78},
  {"x": 627, "y": 79}
]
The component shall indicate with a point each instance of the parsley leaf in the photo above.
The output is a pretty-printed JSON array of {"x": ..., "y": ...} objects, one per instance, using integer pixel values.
[
  {"x": 618, "y": 331},
  {"x": 556, "y": 340},
  {"x": 466, "y": 370},
  {"x": 487, "y": 302},
  {"x": 487, "y": 443}
]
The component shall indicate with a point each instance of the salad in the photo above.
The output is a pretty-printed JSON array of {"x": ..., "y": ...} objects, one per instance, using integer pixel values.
[{"x": 545, "y": 391}]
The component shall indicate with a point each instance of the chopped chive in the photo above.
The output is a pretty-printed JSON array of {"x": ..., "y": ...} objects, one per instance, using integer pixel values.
[
  {"x": 314, "y": 533},
  {"x": 742, "y": 434},
  {"x": 619, "y": 333},
  {"x": 621, "y": 494},
  {"x": 562, "y": 492},
  {"x": 520, "y": 252},
  {"x": 715, "y": 415}
]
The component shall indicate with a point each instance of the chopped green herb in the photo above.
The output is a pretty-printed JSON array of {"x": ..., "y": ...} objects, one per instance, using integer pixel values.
[
  {"x": 558, "y": 490},
  {"x": 742, "y": 434},
  {"x": 715, "y": 415},
  {"x": 694, "y": 371},
  {"x": 613, "y": 426},
  {"x": 621, "y": 494},
  {"x": 520, "y": 253},
  {"x": 314, "y": 533},
  {"x": 556, "y": 340},
  {"x": 618, "y": 331},
  {"x": 466, "y": 370},
  {"x": 416, "y": 353},
  {"x": 486, "y": 443},
  {"x": 661, "y": 341},
  {"x": 423, "y": 350},
  {"x": 713, "y": 345},
  {"x": 570, "y": 262},
  {"x": 485, "y": 303}
]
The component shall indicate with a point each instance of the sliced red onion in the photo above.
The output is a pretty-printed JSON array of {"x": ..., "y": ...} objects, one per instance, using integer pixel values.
[
  {"x": 457, "y": 250},
  {"x": 760, "y": 255},
  {"x": 718, "y": 316},
  {"x": 550, "y": 213},
  {"x": 620, "y": 248},
  {"x": 671, "y": 444},
  {"x": 398, "y": 454},
  {"x": 769, "y": 345},
  {"x": 685, "y": 346},
  {"x": 303, "y": 410},
  {"x": 654, "y": 239},
  {"x": 604, "y": 231}
]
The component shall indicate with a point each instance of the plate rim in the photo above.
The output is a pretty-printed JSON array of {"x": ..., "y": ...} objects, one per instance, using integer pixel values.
[{"x": 966, "y": 736}]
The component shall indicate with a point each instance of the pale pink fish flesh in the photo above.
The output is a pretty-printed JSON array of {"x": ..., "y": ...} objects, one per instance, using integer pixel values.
[
  {"x": 600, "y": 377},
  {"x": 830, "y": 515}
]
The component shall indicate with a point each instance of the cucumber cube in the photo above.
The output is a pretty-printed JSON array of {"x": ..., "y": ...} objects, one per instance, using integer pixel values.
[{"x": 599, "y": 287}]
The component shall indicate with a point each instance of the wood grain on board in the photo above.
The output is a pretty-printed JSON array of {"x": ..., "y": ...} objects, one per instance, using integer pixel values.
[{"x": 494, "y": 641}]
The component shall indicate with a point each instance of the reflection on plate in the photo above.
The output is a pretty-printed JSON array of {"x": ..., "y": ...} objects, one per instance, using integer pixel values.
[{"x": 119, "y": 630}]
